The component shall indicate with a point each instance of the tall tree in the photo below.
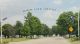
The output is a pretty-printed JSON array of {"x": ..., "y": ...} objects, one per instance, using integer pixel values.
[
  {"x": 32, "y": 25},
  {"x": 19, "y": 28},
  {"x": 65, "y": 20}
]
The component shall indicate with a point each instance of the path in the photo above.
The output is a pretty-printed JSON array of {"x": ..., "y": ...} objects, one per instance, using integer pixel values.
[{"x": 48, "y": 40}]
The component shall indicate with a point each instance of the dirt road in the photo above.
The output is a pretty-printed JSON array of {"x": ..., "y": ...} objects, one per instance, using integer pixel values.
[{"x": 47, "y": 40}]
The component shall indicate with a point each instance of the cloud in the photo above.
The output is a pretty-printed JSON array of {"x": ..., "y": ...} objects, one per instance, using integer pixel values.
[
  {"x": 12, "y": 19},
  {"x": 49, "y": 17},
  {"x": 4, "y": 4},
  {"x": 4, "y": 1},
  {"x": 58, "y": 2},
  {"x": 48, "y": 14},
  {"x": 74, "y": 9}
]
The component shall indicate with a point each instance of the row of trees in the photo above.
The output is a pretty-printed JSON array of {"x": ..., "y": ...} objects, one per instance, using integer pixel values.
[{"x": 33, "y": 26}]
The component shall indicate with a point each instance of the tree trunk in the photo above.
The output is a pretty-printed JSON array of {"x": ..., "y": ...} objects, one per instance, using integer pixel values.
[{"x": 8, "y": 36}]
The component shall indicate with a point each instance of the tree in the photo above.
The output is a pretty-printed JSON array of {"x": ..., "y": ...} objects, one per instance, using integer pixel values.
[
  {"x": 32, "y": 25},
  {"x": 36, "y": 25},
  {"x": 45, "y": 30},
  {"x": 55, "y": 30},
  {"x": 19, "y": 28},
  {"x": 8, "y": 30},
  {"x": 27, "y": 25},
  {"x": 50, "y": 32},
  {"x": 65, "y": 20}
]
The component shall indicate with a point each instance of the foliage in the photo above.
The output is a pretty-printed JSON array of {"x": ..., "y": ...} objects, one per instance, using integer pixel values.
[
  {"x": 65, "y": 21},
  {"x": 45, "y": 30},
  {"x": 32, "y": 25},
  {"x": 18, "y": 28},
  {"x": 8, "y": 30}
]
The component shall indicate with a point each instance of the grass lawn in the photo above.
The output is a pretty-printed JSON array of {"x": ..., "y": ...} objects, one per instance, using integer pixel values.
[
  {"x": 76, "y": 42},
  {"x": 5, "y": 41}
]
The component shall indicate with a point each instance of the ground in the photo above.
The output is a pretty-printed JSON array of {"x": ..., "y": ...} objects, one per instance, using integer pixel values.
[{"x": 46, "y": 40}]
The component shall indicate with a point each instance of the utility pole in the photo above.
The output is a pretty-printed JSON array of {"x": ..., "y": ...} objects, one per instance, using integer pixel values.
[
  {"x": 1, "y": 27},
  {"x": 70, "y": 26},
  {"x": 78, "y": 26}
]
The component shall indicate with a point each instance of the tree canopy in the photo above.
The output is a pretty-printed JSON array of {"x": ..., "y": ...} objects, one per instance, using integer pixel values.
[{"x": 65, "y": 21}]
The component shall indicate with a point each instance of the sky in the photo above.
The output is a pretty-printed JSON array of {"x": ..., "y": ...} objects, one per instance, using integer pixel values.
[{"x": 14, "y": 10}]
